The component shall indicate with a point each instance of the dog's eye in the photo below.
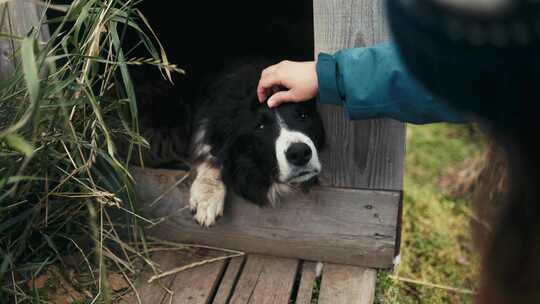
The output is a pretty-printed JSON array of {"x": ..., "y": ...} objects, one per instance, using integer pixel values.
[
  {"x": 304, "y": 116},
  {"x": 260, "y": 126}
]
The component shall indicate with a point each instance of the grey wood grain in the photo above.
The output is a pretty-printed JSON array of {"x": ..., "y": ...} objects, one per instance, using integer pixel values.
[
  {"x": 362, "y": 154},
  {"x": 196, "y": 285},
  {"x": 347, "y": 285},
  {"x": 226, "y": 287},
  {"x": 307, "y": 282},
  {"x": 349, "y": 226},
  {"x": 156, "y": 291},
  {"x": 17, "y": 18},
  {"x": 265, "y": 280}
]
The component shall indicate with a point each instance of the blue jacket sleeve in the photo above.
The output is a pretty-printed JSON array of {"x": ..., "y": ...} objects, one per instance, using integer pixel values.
[{"x": 371, "y": 82}]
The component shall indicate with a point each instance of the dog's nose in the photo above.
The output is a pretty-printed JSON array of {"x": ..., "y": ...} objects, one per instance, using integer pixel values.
[{"x": 298, "y": 154}]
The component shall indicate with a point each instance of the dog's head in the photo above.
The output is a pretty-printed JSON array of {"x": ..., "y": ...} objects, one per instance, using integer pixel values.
[
  {"x": 262, "y": 152},
  {"x": 294, "y": 132},
  {"x": 272, "y": 151}
]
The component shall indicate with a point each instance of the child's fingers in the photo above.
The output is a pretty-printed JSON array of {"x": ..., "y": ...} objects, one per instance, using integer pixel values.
[
  {"x": 266, "y": 83},
  {"x": 261, "y": 94},
  {"x": 279, "y": 98}
]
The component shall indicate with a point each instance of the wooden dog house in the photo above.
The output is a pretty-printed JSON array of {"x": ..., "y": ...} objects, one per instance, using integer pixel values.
[{"x": 353, "y": 218}]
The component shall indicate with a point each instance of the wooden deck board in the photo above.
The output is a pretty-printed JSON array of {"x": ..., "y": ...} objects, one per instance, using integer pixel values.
[
  {"x": 196, "y": 285},
  {"x": 307, "y": 282},
  {"x": 265, "y": 280},
  {"x": 156, "y": 292},
  {"x": 347, "y": 226},
  {"x": 229, "y": 280},
  {"x": 347, "y": 284},
  {"x": 257, "y": 279}
]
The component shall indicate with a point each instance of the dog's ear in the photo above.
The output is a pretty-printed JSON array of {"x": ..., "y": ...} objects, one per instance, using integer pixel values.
[{"x": 245, "y": 168}]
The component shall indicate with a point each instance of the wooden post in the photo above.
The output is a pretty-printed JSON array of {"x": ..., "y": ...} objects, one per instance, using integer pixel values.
[
  {"x": 363, "y": 154},
  {"x": 17, "y": 18}
]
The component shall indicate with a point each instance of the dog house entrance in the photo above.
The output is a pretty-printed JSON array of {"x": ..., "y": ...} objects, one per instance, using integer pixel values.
[{"x": 353, "y": 217}]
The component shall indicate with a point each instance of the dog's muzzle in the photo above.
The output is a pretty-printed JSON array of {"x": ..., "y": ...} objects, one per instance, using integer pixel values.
[{"x": 297, "y": 157}]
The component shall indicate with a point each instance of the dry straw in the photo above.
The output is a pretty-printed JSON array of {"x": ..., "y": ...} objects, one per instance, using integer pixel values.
[{"x": 63, "y": 189}]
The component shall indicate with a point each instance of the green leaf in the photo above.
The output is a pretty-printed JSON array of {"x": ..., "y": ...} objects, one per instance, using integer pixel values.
[
  {"x": 29, "y": 68},
  {"x": 20, "y": 144},
  {"x": 20, "y": 178},
  {"x": 17, "y": 219},
  {"x": 6, "y": 260},
  {"x": 129, "y": 88}
]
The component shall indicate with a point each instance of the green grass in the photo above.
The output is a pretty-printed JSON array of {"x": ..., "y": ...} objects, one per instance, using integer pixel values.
[
  {"x": 63, "y": 189},
  {"x": 436, "y": 242}
]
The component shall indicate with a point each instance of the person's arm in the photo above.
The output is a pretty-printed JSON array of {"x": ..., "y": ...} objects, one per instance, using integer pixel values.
[{"x": 372, "y": 82}]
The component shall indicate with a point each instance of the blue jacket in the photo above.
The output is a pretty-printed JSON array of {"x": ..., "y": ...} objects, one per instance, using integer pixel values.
[{"x": 372, "y": 82}]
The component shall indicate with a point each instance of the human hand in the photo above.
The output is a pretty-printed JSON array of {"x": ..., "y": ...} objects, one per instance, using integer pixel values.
[{"x": 289, "y": 81}]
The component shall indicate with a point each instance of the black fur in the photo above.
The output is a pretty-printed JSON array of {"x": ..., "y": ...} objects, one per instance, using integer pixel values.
[
  {"x": 242, "y": 132},
  {"x": 203, "y": 41},
  {"x": 245, "y": 167}
]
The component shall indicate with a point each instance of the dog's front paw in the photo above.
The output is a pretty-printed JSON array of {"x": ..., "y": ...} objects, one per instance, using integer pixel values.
[
  {"x": 207, "y": 207},
  {"x": 207, "y": 198}
]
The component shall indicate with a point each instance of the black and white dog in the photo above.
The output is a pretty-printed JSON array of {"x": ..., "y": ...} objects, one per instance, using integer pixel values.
[
  {"x": 240, "y": 145},
  {"x": 235, "y": 144}
]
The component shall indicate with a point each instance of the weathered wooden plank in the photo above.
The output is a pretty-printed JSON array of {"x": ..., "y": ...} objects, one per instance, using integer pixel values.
[
  {"x": 307, "y": 281},
  {"x": 363, "y": 154},
  {"x": 348, "y": 226},
  {"x": 229, "y": 281},
  {"x": 347, "y": 285},
  {"x": 265, "y": 280},
  {"x": 17, "y": 18},
  {"x": 196, "y": 285},
  {"x": 156, "y": 291},
  {"x": 6, "y": 65}
]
